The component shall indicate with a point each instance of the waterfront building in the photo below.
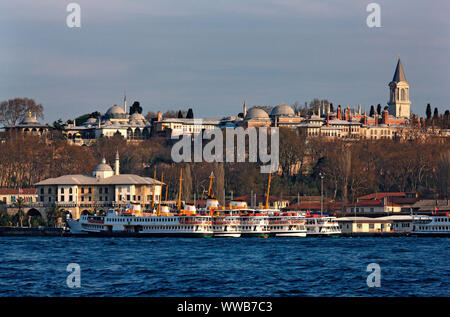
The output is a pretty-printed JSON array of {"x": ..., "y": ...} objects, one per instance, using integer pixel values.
[
  {"x": 11, "y": 195},
  {"x": 103, "y": 189},
  {"x": 363, "y": 225}
]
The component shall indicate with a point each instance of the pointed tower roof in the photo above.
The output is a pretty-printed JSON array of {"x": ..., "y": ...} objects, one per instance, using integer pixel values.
[{"x": 399, "y": 74}]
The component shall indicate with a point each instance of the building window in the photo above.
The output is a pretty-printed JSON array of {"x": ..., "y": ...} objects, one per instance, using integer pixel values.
[
  {"x": 90, "y": 198},
  {"x": 128, "y": 197},
  {"x": 41, "y": 198},
  {"x": 82, "y": 190},
  {"x": 82, "y": 198},
  {"x": 90, "y": 190},
  {"x": 70, "y": 190},
  {"x": 70, "y": 198},
  {"x": 62, "y": 198},
  {"x": 100, "y": 190},
  {"x": 42, "y": 191},
  {"x": 62, "y": 190},
  {"x": 49, "y": 191},
  {"x": 50, "y": 199},
  {"x": 106, "y": 190}
]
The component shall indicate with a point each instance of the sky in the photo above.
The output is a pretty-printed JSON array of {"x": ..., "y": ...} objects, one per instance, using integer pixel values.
[{"x": 212, "y": 55}]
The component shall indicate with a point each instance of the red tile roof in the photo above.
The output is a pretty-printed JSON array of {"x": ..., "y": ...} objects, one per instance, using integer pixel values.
[
  {"x": 382, "y": 195},
  {"x": 15, "y": 191}
]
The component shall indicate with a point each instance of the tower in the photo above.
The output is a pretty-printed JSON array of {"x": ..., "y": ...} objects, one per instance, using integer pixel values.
[
  {"x": 117, "y": 164},
  {"x": 399, "y": 104},
  {"x": 244, "y": 110}
]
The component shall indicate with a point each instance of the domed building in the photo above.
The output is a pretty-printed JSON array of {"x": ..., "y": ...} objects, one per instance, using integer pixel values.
[
  {"x": 105, "y": 188},
  {"x": 256, "y": 117},
  {"x": 116, "y": 120},
  {"x": 282, "y": 110},
  {"x": 30, "y": 125},
  {"x": 284, "y": 116}
]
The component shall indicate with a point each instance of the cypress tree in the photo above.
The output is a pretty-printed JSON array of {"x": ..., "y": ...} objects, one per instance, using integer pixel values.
[{"x": 428, "y": 112}]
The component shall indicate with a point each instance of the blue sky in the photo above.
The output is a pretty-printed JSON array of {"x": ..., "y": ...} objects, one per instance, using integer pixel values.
[{"x": 213, "y": 55}]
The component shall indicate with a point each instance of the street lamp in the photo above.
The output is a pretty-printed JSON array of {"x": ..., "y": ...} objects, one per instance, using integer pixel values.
[{"x": 321, "y": 175}]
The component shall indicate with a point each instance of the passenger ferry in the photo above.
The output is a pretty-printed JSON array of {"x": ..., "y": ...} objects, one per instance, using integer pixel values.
[
  {"x": 134, "y": 222},
  {"x": 252, "y": 223},
  {"x": 435, "y": 225},
  {"x": 286, "y": 224},
  {"x": 322, "y": 226},
  {"x": 226, "y": 223}
]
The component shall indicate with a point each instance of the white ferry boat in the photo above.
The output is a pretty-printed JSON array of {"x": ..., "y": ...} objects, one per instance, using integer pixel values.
[
  {"x": 252, "y": 223},
  {"x": 134, "y": 222},
  {"x": 225, "y": 222},
  {"x": 322, "y": 226},
  {"x": 435, "y": 225},
  {"x": 286, "y": 224}
]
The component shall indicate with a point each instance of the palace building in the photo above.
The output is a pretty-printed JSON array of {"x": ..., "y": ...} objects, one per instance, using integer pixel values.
[{"x": 104, "y": 188}]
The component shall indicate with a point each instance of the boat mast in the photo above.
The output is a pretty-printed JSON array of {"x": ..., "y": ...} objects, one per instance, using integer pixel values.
[
  {"x": 154, "y": 186},
  {"x": 160, "y": 192},
  {"x": 211, "y": 177},
  {"x": 268, "y": 191},
  {"x": 179, "y": 193}
]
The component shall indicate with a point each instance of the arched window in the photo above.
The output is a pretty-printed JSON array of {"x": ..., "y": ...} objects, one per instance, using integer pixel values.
[{"x": 403, "y": 95}]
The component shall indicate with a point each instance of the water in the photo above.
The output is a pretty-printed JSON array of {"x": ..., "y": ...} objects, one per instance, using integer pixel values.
[{"x": 36, "y": 266}]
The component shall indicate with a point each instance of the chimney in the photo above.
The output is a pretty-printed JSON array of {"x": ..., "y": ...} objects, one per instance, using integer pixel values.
[
  {"x": 117, "y": 164},
  {"x": 385, "y": 118},
  {"x": 339, "y": 114},
  {"x": 159, "y": 116},
  {"x": 347, "y": 114}
]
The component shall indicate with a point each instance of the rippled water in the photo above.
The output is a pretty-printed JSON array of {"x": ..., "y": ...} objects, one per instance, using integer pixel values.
[{"x": 36, "y": 266}]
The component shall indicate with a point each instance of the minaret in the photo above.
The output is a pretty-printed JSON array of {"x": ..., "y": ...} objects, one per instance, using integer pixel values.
[
  {"x": 125, "y": 102},
  {"x": 244, "y": 110},
  {"x": 117, "y": 164},
  {"x": 359, "y": 109},
  {"x": 399, "y": 104}
]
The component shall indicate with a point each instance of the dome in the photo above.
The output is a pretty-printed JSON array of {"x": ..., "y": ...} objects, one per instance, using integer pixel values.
[
  {"x": 29, "y": 121},
  {"x": 114, "y": 111},
  {"x": 103, "y": 167},
  {"x": 137, "y": 116},
  {"x": 256, "y": 113},
  {"x": 282, "y": 110}
]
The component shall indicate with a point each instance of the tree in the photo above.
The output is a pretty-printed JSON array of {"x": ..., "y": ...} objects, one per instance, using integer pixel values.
[
  {"x": 53, "y": 214},
  {"x": 428, "y": 112},
  {"x": 436, "y": 114},
  {"x": 13, "y": 111},
  {"x": 20, "y": 214},
  {"x": 379, "y": 109},
  {"x": 331, "y": 107},
  {"x": 190, "y": 114},
  {"x": 372, "y": 111},
  {"x": 58, "y": 125},
  {"x": 180, "y": 114},
  {"x": 136, "y": 108}
]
